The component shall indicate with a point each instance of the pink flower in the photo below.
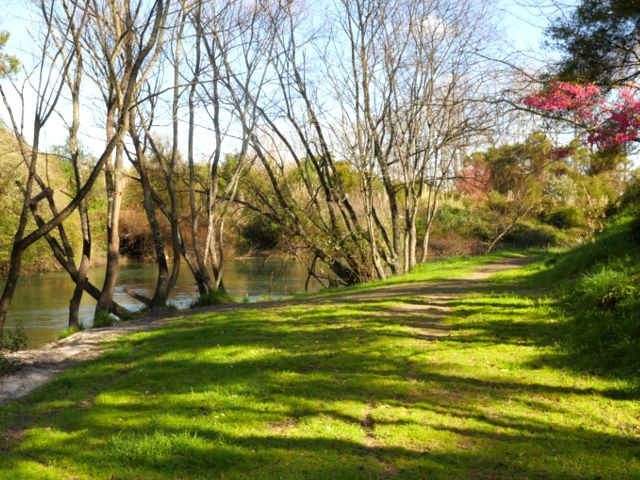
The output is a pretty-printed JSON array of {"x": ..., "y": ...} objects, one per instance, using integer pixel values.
[
  {"x": 620, "y": 123},
  {"x": 609, "y": 124},
  {"x": 565, "y": 96}
]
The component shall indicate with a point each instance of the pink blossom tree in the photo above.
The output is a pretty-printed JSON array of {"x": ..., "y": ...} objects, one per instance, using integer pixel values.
[
  {"x": 608, "y": 119},
  {"x": 474, "y": 180}
]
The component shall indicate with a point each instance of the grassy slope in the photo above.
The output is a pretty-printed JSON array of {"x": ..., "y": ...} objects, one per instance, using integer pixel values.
[
  {"x": 338, "y": 390},
  {"x": 599, "y": 287}
]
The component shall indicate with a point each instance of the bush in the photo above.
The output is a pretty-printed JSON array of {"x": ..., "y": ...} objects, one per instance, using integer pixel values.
[
  {"x": 215, "y": 297},
  {"x": 12, "y": 341},
  {"x": 103, "y": 319},
  {"x": 464, "y": 222},
  {"x": 565, "y": 218},
  {"x": 635, "y": 229},
  {"x": 453, "y": 244},
  {"x": 136, "y": 239},
  {"x": 67, "y": 332},
  {"x": 531, "y": 236},
  {"x": 606, "y": 288},
  {"x": 630, "y": 199},
  {"x": 605, "y": 305},
  {"x": 450, "y": 217},
  {"x": 616, "y": 240},
  {"x": 601, "y": 296}
]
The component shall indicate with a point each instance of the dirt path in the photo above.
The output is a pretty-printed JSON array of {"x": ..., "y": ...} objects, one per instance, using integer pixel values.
[{"x": 35, "y": 367}]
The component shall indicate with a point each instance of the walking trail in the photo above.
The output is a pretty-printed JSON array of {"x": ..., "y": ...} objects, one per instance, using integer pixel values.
[{"x": 32, "y": 368}]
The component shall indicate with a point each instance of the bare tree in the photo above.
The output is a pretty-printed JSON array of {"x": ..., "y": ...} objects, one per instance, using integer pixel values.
[
  {"x": 51, "y": 71},
  {"x": 49, "y": 74},
  {"x": 399, "y": 91},
  {"x": 413, "y": 96},
  {"x": 124, "y": 40},
  {"x": 148, "y": 155},
  {"x": 314, "y": 204}
]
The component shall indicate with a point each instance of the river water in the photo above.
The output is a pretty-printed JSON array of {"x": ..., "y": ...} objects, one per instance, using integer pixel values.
[{"x": 41, "y": 302}]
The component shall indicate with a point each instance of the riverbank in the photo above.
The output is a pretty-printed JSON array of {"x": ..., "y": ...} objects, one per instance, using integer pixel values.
[
  {"x": 41, "y": 303},
  {"x": 34, "y": 367},
  {"x": 453, "y": 371}
]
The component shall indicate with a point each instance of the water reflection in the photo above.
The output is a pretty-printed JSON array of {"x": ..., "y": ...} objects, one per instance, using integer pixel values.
[{"x": 41, "y": 302}]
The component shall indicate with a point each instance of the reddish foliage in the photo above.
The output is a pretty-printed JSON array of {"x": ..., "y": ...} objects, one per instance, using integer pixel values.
[
  {"x": 561, "y": 153},
  {"x": 564, "y": 96},
  {"x": 622, "y": 125},
  {"x": 609, "y": 123},
  {"x": 474, "y": 180}
]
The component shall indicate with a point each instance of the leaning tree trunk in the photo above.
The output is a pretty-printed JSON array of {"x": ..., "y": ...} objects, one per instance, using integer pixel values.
[
  {"x": 199, "y": 267},
  {"x": 83, "y": 268}
]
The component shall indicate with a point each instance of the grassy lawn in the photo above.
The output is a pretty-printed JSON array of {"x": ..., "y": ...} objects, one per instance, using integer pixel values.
[{"x": 340, "y": 387}]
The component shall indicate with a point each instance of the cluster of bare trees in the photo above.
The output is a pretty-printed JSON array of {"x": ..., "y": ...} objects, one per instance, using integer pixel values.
[
  {"x": 352, "y": 116},
  {"x": 399, "y": 91},
  {"x": 114, "y": 48}
]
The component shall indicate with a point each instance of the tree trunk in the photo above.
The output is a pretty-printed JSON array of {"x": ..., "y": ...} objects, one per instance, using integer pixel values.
[
  {"x": 425, "y": 243},
  {"x": 10, "y": 284},
  {"x": 114, "y": 182},
  {"x": 74, "y": 304}
]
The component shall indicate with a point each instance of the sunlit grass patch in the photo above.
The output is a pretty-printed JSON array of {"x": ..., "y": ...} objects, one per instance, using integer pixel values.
[{"x": 377, "y": 387}]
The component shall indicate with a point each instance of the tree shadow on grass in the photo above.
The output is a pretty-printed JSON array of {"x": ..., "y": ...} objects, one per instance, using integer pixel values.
[
  {"x": 519, "y": 310},
  {"x": 314, "y": 393},
  {"x": 344, "y": 390}
]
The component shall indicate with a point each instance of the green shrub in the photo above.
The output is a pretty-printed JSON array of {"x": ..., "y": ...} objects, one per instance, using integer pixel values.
[
  {"x": 262, "y": 233},
  {"x": 5, "y": 363},
  {"x": 14, "y": 339},
  {"x": 601, "y": 295},
  {"x": 463, "y": 221},
  {"x": 605, "y": 333},
  {"x": 451, "y": 217},
  {"x": 635, "y": 230},
  {"x": 67, "y": 332},
  {"x": 630, "y": 199},
  {"x": 171, "y": 306},
  {"x": 480, "y": 230},
  {"x": 215, "y": 297},
  {"x": 565, "y": 218},
  {"x": 103, "y": 319},
  {"x": 606, "y": 288},
  {"x": 616, "y": 240}
]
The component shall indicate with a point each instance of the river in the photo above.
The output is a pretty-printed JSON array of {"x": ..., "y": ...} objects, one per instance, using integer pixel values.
[{"x": 40, "y": 303}]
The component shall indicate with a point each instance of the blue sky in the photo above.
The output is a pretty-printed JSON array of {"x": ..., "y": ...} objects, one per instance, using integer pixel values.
[{"x": 522, "y": 28}]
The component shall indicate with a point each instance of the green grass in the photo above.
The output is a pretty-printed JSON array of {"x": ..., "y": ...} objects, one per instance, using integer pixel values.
[
  {"x": 215, "y": 297},
  {"x": 103, "y": 319},
  {"x": 597, "y": 286},
  {"x": 366, "y": 385},
  {"x": 67, "y": 332},
  {"x": 454, "y": 267}
]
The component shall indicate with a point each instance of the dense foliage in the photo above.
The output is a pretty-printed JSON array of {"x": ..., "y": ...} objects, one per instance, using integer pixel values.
[{"x": 599, "y": 40}]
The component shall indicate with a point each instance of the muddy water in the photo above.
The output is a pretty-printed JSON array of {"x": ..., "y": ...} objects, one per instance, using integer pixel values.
[{"x": 41, "y": 302}]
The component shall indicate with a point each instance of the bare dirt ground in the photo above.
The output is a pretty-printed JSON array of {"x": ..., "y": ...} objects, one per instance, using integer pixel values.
[{"x": 32, "y": 368}]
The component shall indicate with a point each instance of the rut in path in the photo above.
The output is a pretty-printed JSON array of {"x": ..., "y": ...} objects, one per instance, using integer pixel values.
[{"x": 37, "y": 366}]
